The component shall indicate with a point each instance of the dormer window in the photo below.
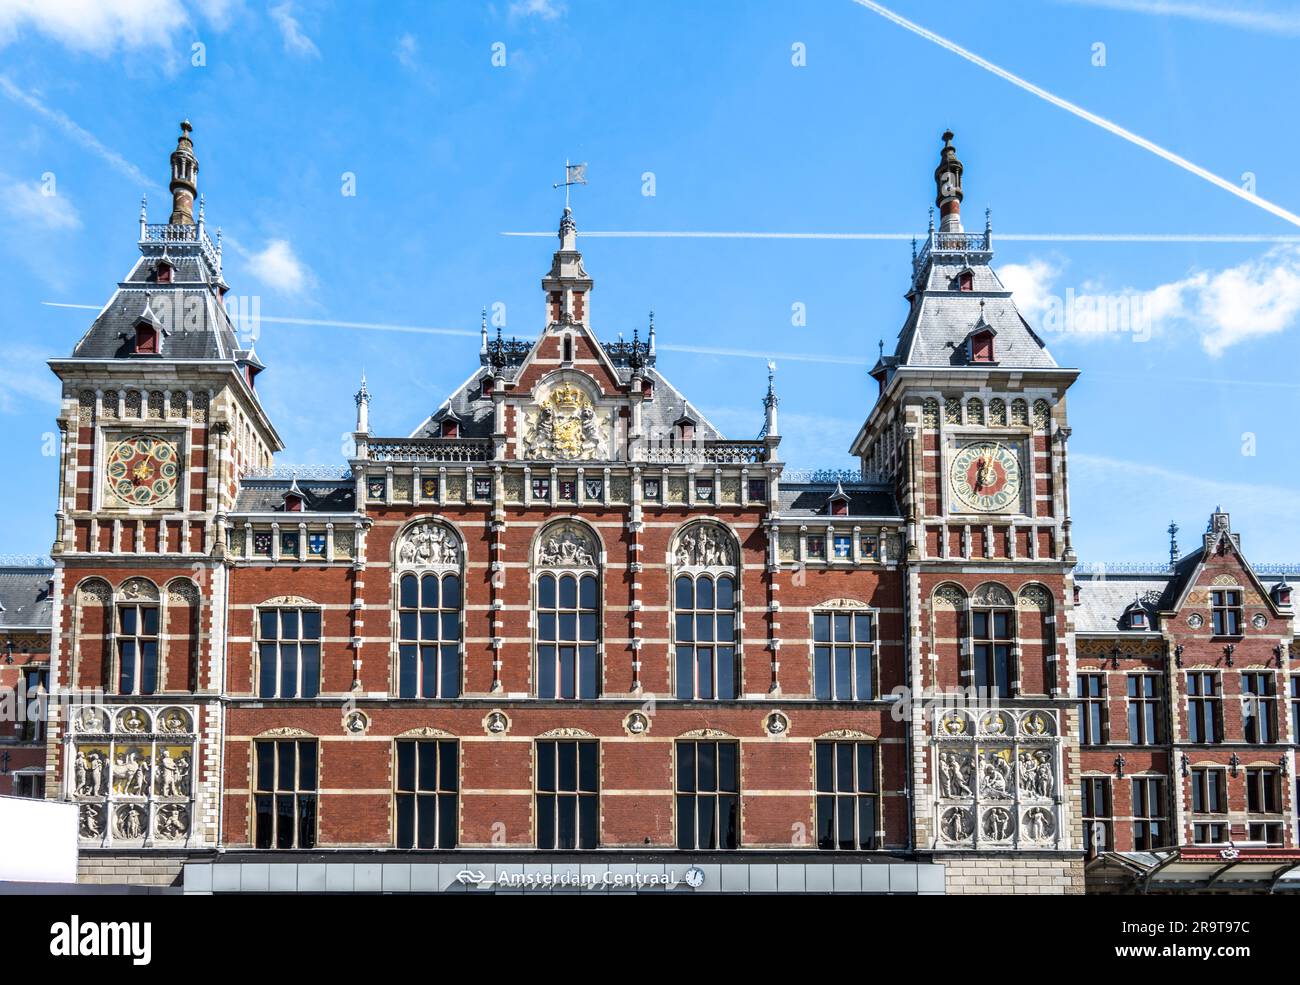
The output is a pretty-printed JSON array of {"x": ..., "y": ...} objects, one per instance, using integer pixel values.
[
  {"x": 489, "y": 383},
  {"x": 840, "y": 507},
  {"x": 293, "y": 503},
  {"x": 1137, "y": 619},
  {"x": 568, "y": 348},
  {"x": 965, "y": 281},
  {"x": 981, "y": 346},
  {"x": 1282, "y": 594},
  {"x": 686, "y": 429},
  {"x": 164, "y": 272},
  {"x": 647, "y": 388},
  {"x": 450, "y": 428},
  {"x": 146, "y": 340}
]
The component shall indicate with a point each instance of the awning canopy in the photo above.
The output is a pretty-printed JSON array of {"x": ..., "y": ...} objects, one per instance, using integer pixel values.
[{"x": 1198, "y": 870}]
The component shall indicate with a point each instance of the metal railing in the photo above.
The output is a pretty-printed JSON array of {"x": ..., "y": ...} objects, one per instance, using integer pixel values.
[
  {"x": 430, "y": 450},
  {"x": 166, "y": 232},
  {"x": 703, "y": 453}
]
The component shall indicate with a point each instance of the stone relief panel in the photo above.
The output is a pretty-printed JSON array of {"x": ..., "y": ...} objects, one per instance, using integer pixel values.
[
  {"x": 131, "y": 772},
  {"x": 567, "y": 545},
  {"x": 427, "y": 545},
  {"x": 996, "y": 779},
  {"x": 705, "y": 545}
]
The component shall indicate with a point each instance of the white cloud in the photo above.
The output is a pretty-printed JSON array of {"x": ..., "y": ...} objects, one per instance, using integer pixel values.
[
  {"x": 407, "y": 50},
  {"x": 278, "y": 267},
  {"x": 94, "y": 26},
  {"x": 547, "y": 10},
  {"x": 27, "y": 379},
  {"x": 1222, "y": 308},
  {"x": 295, "y": 41},
  {"x": 1030, "y": 285},
  {"x": 27, "y": 203},
  {"x": 1256, "y": 17}
]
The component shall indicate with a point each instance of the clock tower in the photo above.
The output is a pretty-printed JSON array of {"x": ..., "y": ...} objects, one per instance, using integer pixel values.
[
  {"x": 160, "y": 418},
  {"x": 970, "y": 429}
]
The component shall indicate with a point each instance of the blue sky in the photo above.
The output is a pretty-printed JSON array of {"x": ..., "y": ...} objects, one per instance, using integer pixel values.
[{"x": 450, "y": 150}]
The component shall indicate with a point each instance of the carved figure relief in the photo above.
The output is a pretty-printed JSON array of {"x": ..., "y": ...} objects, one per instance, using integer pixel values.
[
  {"x": 567, "y": 545},
  {"x": 428, "y": 545},
  {"x": 706, "y": 546},
  {"x": 955, "y": 773},
  {"x": 998, "y": 823},
  {"x": 958, "y": 824}
]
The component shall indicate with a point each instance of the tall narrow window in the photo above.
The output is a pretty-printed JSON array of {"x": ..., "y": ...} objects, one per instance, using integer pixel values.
[
  {"x": 429, "y": 634},
  {"x": 1143, "y": 709},
  {"x": 35, "y": 687},
  {"x": 992, "y": 632},
  {"x": 1092, "y": 707},
  {"x": 705, "y": 637},
  {"x": 848, "y": 806},
  {"x": 705, "y": 605},
  {"x": 1225, "y": 612},
  {"x": 1209, "y": 791},
  {"x": 427, "y": 558},
  {"x": 1258, "y": 707},
  {"x": 844, "y": 652},
  {"x": 424, "y": 790},
  {"x": 1295, "y": 709},
  {"x": 1204, "y": 723},
  {"x": 568, "y": 794},
  {"x": 137, "y": 648},
  {"x": 1263, "y": 790},
  {"x": 708, "y": 795},
  {"x": 1097, "y": 817},
  {"x": 284, "y": 793},
  {"x": 288, "y": 645},
  {"x": 1148, "y": 813},
  {"x": 566, "y": 611},
  {"x": 567, "y": 633}
]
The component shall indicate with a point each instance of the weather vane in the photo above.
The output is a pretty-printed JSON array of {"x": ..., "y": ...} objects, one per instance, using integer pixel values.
[{"x": 574, "y": 174}]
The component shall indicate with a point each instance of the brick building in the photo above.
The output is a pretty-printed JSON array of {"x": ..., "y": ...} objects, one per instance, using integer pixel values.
[{"x": 567, "y": 628}]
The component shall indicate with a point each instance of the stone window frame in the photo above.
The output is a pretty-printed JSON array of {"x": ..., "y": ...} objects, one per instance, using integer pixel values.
[
  {"x": 735, "y": 570},
  {"x": 398, "y": 568},
  {"x": 537, "y": 568}
]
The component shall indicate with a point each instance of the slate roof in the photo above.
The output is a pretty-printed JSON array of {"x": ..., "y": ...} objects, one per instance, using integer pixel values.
[
  {"x": 812, "y": 499},
  {"x": 1102, "y": 604},
  {"x": 195, "y": 324},
  {"x": 1104, "y": 595},
  {"x": 658, "y": 414},
  {"x": 267, "y": 496},
  {"x": 24, "y": 596},
  {"x": 942, "y": 317}
]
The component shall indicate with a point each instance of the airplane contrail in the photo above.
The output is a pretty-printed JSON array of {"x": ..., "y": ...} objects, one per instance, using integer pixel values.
[
  {"x": 1080, "y": 112},
  {"x": 903, "y": 237}
]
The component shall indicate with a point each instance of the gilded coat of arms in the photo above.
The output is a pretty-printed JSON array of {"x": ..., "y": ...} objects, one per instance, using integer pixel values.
[{"x": 564, "y": 427}]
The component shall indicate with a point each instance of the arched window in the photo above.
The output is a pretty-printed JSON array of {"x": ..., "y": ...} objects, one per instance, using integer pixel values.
[
  {"x": 429, "y": 604},
  {"x": 136, "y": 632},
  {"x": 567, "y": 613},
  {"x": 993, "y": 634},
  {"x": 705, "y": 603}
]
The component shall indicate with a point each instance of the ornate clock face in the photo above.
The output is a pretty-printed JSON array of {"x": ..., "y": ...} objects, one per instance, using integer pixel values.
[
  {"x": 985, "y": 477},
  {"x": 143, "y": 469}
]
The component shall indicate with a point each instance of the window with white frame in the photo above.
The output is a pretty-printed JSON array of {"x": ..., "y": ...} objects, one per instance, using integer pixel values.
[
  {"x": 1258, "y": 707},
  {"x": 848, "y": 795},
  {"x": 425, "y": 789},
  {"x": 568, "y": 794},
  {"x": 566, "y": 612}
]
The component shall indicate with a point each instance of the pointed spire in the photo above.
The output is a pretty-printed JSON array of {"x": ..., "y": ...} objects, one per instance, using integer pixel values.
[
  {"x": 1173, "y": 544},
  {"x": 947, "y": 180},
  {"x": 144, "y": 214},
  {"x": 770, "y": 401},
  {"x": 363, "y": 406},
  {"x": 483, "y": 340},
  {"x": 650, "y": 343},
  {"x": 185, "y": 176}
]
